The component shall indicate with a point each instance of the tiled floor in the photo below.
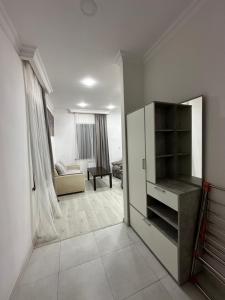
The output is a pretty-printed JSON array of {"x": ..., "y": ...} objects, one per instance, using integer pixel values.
[{"x": 109, "y": 264}]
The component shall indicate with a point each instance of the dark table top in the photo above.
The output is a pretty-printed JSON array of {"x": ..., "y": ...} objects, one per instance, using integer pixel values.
[{"x": 99, "y": 171}]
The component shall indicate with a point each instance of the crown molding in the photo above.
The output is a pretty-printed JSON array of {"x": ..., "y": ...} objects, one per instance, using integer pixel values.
[
  {"x": 174, "y": 28},
  {"x": 26, "y": 53},
  {"x": 32, "y": 55},
  {"x": 88, "y": 111},
  {"x": 9, "y": 29},
  {"x": 125, "y": 56}
]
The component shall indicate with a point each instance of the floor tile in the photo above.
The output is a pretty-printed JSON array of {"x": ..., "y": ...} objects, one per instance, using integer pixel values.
[
  {"x": 44, "y": 262},
  {"x": 133, "y": 236},
  {"x": 127, "y": 272},
  {"x": 43, "y": 289},
  {"x": 78, "y": 250},
  {"x": 185, "y": 292},
  {"x": 156, "y": 291},
  {"x": 112, "y": 238},
  {"x": 152, "y": 261},
  {"x": 85, "y": 282}
]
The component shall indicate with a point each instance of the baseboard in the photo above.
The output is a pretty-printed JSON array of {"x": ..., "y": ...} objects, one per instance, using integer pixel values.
[{"x": 26, "y": 261}]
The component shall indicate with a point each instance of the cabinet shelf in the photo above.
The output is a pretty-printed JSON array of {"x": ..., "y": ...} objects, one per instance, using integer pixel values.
[
  {"x": 163, "y": 217},
  {"x": 169, "y": 231},
  {"x": 171, "y": 130},
  {"x": 170, "y": 140},
  {"x": 167, "y": 214},
  {"x": 183, "y": 117},
  {"x": 164, "y": 130},
  {"x": 165, "y": 116},
  {"x": 164, "y": 155}
]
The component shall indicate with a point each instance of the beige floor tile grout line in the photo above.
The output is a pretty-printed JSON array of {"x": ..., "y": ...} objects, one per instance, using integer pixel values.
[{"x": 72, "y": 237}]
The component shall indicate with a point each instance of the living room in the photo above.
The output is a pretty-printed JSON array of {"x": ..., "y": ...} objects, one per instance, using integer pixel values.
[{"x": 93, "y": 202}]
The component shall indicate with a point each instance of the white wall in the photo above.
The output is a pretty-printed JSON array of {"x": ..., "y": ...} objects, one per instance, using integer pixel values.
[
  {"x": 15, "y": 211},
  {"x": 133, "y": 77},
  {"x": 131, "y": 74},
  {"x": 114, "y": 136},
  {"x": 65, "y": 135},
  {"x": 192, "y": 63}
]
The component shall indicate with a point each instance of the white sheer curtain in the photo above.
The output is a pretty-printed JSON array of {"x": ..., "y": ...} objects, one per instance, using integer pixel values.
[{"x": 45, "y": 205}]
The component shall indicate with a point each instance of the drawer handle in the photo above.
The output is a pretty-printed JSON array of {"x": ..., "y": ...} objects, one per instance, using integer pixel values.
[
  {"x": 143, "y": 163},
  {"x": 147, "y": 221},
  {"x": 158, "y": 189}
]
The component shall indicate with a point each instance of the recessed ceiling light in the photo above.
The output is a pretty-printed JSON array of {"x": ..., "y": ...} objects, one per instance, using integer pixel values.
[
  {"x": 88, "y": 7},
  {"x": 110, "y": 106},
  {"x": 88, "y": 81},
  {"x": 82, "y": 104}
]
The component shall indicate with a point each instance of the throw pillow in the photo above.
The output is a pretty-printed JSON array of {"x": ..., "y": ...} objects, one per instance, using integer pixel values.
[
  {"x": 62, "y": 164},
  {"x": 60, "y": 169}
]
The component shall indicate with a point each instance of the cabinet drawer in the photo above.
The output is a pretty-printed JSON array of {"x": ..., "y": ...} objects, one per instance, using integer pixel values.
[
  {"x": 164, "y": 196},
  {"x": 163, "y": 248}
]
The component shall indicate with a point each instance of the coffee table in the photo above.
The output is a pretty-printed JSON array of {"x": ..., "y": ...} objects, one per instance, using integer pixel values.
[{"x": 99, "y": 172}]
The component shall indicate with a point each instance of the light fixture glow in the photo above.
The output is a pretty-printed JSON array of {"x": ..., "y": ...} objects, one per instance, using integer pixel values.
[
  {"x": 110, "y": 106},
  {"x": 88, "y": 81},
  {"x": 82, "y": 104}
]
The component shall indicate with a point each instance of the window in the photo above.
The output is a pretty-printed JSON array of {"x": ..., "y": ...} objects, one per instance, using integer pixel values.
[{"x": 85, "y": 134}]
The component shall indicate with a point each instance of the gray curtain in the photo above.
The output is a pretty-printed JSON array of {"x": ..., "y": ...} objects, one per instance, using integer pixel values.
[
  {"x": 85, "y": 141},
  {"x": 101, "y": 140}
]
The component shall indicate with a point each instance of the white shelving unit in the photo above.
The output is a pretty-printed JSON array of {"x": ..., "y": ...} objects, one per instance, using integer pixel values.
[{"x": 169, "y": 212}]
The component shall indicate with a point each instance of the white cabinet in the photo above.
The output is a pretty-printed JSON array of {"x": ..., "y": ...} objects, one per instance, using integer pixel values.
[
  {"x": 163, "y": 209},
  {"x": 150, "y": 142},
  {"x": 163, "y": 195},
  {"x": 136, "y": 160},
  {"x": 161, "y": 246}
]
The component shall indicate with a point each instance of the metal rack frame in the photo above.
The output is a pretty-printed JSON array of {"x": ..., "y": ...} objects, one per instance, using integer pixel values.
[{"x": 207, "y": 240}]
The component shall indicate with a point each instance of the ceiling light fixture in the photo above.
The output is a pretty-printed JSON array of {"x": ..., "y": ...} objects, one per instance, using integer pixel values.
[
  {"x": 110, "y": 106},
  {"x": 82, "y": 104},
  {"x": 88, "y": 81},
  {"x": 88, "y": 7}
]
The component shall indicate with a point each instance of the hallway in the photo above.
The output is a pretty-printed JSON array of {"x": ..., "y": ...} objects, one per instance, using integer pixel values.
[{"x": 107, "y": 264}]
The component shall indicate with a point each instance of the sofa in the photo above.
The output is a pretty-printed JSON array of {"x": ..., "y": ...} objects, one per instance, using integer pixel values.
[
  {"x": 68, "y": 179},
  {"x": 117, "y": 169}
]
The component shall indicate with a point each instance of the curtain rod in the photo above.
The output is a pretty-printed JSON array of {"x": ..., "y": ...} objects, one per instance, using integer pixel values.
[{"x": 81, "y": 111}]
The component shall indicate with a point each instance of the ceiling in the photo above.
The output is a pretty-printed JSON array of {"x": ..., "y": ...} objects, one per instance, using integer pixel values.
[{"x": 74, "y": 46}]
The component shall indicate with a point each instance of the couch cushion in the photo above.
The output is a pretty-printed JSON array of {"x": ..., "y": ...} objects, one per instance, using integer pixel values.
[
  {"x": 119, "y": 162},
  {"x": 71, "y": 172},
  {"x": 60, "y": 169},
  {"x": 61, "y": 163}
]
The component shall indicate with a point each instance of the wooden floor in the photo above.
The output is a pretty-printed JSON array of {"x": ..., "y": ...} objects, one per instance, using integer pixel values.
[{"x": 91, "y": 210}]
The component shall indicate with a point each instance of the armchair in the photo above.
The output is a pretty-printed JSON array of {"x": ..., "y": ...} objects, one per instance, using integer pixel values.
[{"x": 72, "y": 181}]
